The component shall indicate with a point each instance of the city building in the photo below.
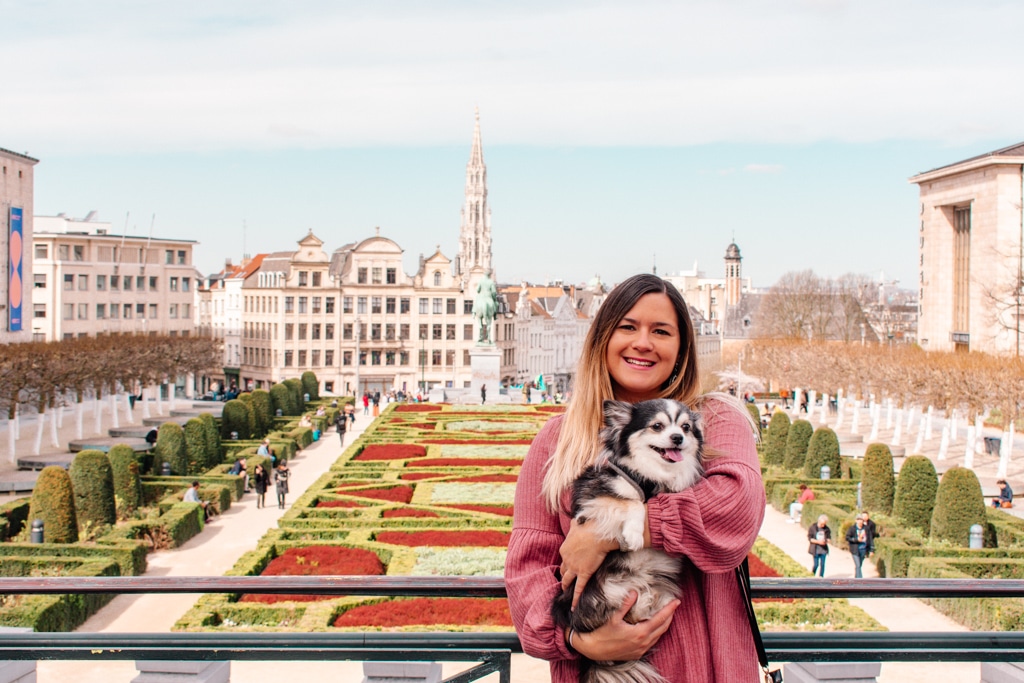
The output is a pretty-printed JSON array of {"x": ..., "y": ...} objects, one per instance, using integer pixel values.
[
  {"x": 219, "y": 303},
  {"x": 16, "y": 219},
  {"x": 711, "y": 296},
  {"x": 971, "y": 250},
  {"x": 88, "y": 282}
]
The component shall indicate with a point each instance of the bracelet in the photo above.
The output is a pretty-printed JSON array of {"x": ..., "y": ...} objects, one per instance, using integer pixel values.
[{"x": 572, "y": 631}]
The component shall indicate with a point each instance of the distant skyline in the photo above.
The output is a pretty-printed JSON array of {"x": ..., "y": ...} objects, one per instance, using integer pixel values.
[{"x": 616, "y": 134}]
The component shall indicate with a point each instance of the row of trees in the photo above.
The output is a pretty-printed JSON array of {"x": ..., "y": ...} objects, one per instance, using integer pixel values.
[{"x": 970, "y": 383}]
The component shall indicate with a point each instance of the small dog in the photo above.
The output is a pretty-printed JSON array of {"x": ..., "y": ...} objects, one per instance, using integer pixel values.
[{"x": 650, "y": 447}]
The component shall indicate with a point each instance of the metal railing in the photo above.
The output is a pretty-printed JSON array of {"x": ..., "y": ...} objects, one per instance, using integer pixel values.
[{"x": 491, "y": 650}]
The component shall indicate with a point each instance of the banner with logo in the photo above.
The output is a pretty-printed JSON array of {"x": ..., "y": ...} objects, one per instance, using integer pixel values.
[{"x": 15, "y": 283}]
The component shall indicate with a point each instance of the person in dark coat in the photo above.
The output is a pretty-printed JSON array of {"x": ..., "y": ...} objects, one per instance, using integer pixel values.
[
  {"x": 483, "y": 394},
  {"x": 281, "y": 475},
  {"x": 341, "y": 424},
  {"x": 261, "y": 480},
  {"x": 819, "y": 535}
]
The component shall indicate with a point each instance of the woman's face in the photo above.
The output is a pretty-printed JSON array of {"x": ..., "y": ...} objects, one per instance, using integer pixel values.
[{"x": 643, "y": 348}]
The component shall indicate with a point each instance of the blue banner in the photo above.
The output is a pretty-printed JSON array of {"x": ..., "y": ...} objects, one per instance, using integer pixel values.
[{"x": 15, "y": 283}]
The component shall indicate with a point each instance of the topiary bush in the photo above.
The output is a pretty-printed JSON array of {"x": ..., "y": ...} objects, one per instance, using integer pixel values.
[
  {"x": 53, "y": 501},
  {"x": 170, "y": 448},
  {"x": 281, "y": 399},
  {"x": 263, "y": 409},
  {"x": 235, "y": 418},
  {"x": 310, "y": 385},
  {"x": 195, "y": 446},
  {"x": 294, "y": 385},
  {"x": 775, "y": 444},
  {"x": 878, "y": 480},
  {"x": 756, "y": 417},
  {"x": 213, "y": 450},
  {"x": 959, "y": 505},
  {"x": 797, "y": 439},
  {"x": 822, "y": 449},
  {"x": 127, "y": 485},
  {"x": 916, "y": 487},
  {"x": 93, "y": 483}
]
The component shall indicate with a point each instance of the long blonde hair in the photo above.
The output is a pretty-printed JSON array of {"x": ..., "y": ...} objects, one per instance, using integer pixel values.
[{"x": 578, "y": 442}]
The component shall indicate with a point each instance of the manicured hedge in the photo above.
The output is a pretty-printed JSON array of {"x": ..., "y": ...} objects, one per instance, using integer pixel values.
[
  {"x": 170, "y": 448},
  {"x": 93, "y": 483},
  {"x": 879, "y": 479},
  {"x": 916, "y": 488},
  {"x": 53, "y": 501},
  {"x": 775, "y": 444},
  {"x": 797, "y": 439},
  {"x": 958, "y": 506},
  {"x": 127, "y": 485}
]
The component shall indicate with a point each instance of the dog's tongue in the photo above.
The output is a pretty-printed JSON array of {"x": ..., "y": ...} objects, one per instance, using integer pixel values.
[{"x": 673, "y": 454}]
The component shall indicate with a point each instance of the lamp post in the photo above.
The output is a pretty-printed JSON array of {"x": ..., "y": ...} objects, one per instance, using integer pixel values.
[
  {"x": 358, "y": 331},
  {"x": 423, "y": 363}
]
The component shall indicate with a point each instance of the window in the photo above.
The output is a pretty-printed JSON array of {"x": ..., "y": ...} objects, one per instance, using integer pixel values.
[
  {"x": 174, "y": 284},
  {"x": 316, "y": 304},
  {"x": 361, "y": 305},
  {"x": 392, "y": 276},
  {"x": 303, "y": 279},
  {"x": 389, "y": 305},
  {"x": 424, "y": 306},
  {"x": 127, "y": 310},
  {"x": 69, "y": 311},
  {"x": 346, "y": 304},
  {"x": 449, "y": 332},
  {"x": 42, "y": 251},
  {"x": 389, "y": 358},
  {"x": 114, "y": 282},
  {"x": 289, "y": 304},
  {"x": 39, "y": 310},
  {"x": 346, "y": 331},
  {"x": 437, "y": 280},
  {"x": 172, "y": 311},
  {"x": 361, "y": 276},
  {"x": 329, "y": 305},
  {"x": 63, "y": 252},
  {"x": 374, "y": 357},
  {"x": 288, "y": 359},
  {"x": 169, "y": 256},
  {"x": 140, "y": 283},
  {"x": 346, "y": 358},
  {"x": 389, "y": 331},
  {"x": 465, "y": 357},
  {"x": 69, "y": 282},
  {"x": 467, "y": 332},
  {"x": 83, "y": 311},
  {"x": 315, "y": 331},
  {"x": 181, "y": 258},
  {"x": 302, "y": 358},
  {"x": 79, "y": 252},
  {"x": 329, "y": 358},
  {"x": 404, "y": 305},
  {"x": 185, "y": 284},
  {"x": 435, "y": 357},
  {"x": 403, "y": 357},
  {"x": 449, "y": 306},
  {"x": 140, "y": 310},
  {"x": 303, "y": 304},
  {"x": 961, "y": 272},
  {"x": 101, "y": 283},
  {"x": 289, "y": 331},
  {"x": 329, "y": 331},
  {"x": 375, "y": 304},
  {"x": 404, "y": 331},
  {"x": 449, "y": 358},
  {"x": 315, "y": 358},
  {"x": 467, "y": 306},
  {"x": 152, "y": 283},
  {"x": 115, "y": 311},
  {"x": 126, "y": 283},
  {"x": 437, "y": 305},
  {"x": 316, "y": 281},
  {"x": 436, "y": 332},
  {"x": 377, "y": 276},
  {"x": 186, "y": 311},
  {"x": 39, "y": 280},
  {"x": 362, "y": 357},
  {"x": 424, "y": 330},
  {"x": 302, "y": 331},
  {"x": 375, "y": 331}
]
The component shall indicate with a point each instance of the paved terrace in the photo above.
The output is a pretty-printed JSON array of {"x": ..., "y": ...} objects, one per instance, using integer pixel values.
[{"x": 227, "y": 536}]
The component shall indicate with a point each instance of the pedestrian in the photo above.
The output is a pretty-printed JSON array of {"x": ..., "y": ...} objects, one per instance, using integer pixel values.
[
  {"x": 641, "y": 345},
  {"x": 804, "y": 398},
  {"x": 341, "y": 424},
  {"x": 366, "y": 403},
  {"x": 869, "y": 524},
  {"x": 483, "y": 394},
  {"x": 376, "y": 403},
  {"x": 797, "y": 506},
  {"x": 526, "y": 393},
  {"x": 281, "y": 475},
  {"x": 819, "y": 535},
  {"x": 261, "y": 481},
  {"x": 857, "y": 539}
]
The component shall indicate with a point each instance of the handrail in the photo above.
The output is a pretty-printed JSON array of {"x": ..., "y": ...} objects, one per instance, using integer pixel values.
[{"x": 486, "y": 586}]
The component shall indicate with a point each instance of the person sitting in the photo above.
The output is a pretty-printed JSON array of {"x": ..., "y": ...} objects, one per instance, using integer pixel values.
[
  {"x": 264, "y": 448},
  {"x": 305, "y": 421},
  {"x": 1005, "y": 499},
  {"x": 239, "y": 469},
  {"x": 796, "y": 507},
  {"x": 320, "y": 411},
  {"x": 192, "y": 496}
]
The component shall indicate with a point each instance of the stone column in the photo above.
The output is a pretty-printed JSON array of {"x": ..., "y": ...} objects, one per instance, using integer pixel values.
[
  {"x": 157, "y": 671},
  {"x": 840, "y": 672}
]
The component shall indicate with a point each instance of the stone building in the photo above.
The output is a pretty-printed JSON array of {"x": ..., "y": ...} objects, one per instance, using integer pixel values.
[
  {"x": 88, "y": 282},
  {"x": 16, "y": 221},
  {"x": 970, "y": 253},
  {"x": 713, "y": 296},
  {"x": 220, "y": 315}
]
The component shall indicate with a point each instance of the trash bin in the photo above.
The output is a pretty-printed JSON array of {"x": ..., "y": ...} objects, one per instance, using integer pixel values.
[
  {"x": 992, "y": 444},
  {"x": 316, "y": 435}
]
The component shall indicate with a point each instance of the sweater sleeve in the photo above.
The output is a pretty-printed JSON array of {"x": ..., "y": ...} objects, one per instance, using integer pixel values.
[
  {"x": 533, "y": 559},
  {"x": 715, "y": 522}
]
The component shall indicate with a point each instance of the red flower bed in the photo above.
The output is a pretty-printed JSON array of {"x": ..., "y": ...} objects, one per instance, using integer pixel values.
[
  {"x": 491, "y": 478},
  {"x": 445, "y": 538},
  {"x": 392, "y": 451},
  {"x": 416, "y": 408},
  {"x": 317, "y": 560},
  {"x": 339, "y": 504},
  {"x": 505, "y": 510},
  {"x": 428, "y": 612},
  {"x": 408, "y": 512},
  {"x": 550, "y": 409},
  {"x": 415, "y": 476},
  {"x": 397, "y": 494},
  {"x": 422, "y": 425},
  {"x": 468, "y": 462},
  {"x": 480, "y": 442},
  {"x": 761, "y": 570}
]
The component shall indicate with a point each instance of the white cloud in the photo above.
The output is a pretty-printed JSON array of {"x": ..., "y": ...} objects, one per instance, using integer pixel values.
[{"x": 763, "y": 168}]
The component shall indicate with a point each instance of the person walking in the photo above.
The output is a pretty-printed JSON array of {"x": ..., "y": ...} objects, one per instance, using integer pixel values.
[
  {"x": 261, "y": 481},
  {"x": 366, "y": 403},
  {"x": 819, "y": 534},
  {"x": 341, "y": 424},
  {"x": 483, "y": 394},
  {"x": 857, "y": 539},
  {"x": 281, "y": 475}
]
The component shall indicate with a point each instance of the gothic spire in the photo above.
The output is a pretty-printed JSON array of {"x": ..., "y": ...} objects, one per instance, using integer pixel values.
[{"x": 475, "y": 232}]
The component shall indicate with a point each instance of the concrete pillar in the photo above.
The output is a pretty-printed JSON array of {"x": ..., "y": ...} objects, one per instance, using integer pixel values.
[
  {"x": 401, "y": 672},
  {"x": 17, "y": 671},
  {"x": 837, "y": 672},
  {"x": 1002, "y": 672},
  {"x": 182, "y": 672}
]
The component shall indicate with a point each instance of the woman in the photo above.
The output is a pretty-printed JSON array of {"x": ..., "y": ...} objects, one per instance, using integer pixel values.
[
  {"x": 262, "y": 482},
  {"x": 640, "y": 346},
  {"x": 281, "y": 475}
]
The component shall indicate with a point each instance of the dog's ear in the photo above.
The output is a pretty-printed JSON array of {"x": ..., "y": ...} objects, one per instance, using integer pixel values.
[{"x": 617, "y": 414}]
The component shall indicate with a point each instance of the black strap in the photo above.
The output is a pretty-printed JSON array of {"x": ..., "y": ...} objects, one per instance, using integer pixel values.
[{"x": 743, "y": 577}]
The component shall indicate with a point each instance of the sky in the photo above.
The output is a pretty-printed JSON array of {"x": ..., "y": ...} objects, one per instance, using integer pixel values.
[{"x": 618, "y": 136}]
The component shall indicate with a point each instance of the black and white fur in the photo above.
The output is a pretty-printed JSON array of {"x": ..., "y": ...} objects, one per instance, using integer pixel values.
[{"x": 650, "y": 447}]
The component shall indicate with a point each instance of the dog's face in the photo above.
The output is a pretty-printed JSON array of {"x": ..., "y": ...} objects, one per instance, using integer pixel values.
[{"x": 660, "y": 440}]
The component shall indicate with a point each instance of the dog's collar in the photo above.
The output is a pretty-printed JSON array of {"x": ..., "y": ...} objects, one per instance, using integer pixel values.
[{"x": 615, "y": 468}]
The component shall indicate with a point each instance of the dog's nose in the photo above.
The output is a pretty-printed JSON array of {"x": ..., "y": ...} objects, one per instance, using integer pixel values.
[{"x": 677, "y": 439}]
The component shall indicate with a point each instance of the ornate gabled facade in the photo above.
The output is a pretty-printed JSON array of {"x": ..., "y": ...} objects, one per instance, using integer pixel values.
[{"x": 475, "y": 232}]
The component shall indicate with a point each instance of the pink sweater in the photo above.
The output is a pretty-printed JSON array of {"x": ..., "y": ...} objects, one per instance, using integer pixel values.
[{"x": 713, "y": 524}]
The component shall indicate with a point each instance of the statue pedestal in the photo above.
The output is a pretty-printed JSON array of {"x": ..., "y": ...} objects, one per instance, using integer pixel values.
[{"x": 485, "y": 368}]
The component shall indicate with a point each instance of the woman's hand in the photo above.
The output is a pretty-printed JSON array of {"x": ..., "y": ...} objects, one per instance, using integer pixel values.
[
  {"x": 620, "y": 641},
  {"x": 582, "y": 552}
]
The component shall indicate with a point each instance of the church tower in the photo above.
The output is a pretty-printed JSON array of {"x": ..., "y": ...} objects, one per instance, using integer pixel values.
[
  {"x": 475, "y": 233},
  {"x": 733, "y": 275}
]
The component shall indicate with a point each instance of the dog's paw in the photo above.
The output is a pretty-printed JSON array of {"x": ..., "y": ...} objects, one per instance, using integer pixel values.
[{"x": 632, "y": 536}]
